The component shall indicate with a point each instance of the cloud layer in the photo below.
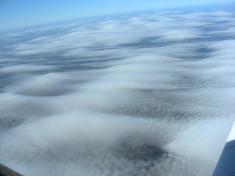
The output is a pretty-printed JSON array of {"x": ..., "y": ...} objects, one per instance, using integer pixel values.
[{"x": 143, "y": 94}]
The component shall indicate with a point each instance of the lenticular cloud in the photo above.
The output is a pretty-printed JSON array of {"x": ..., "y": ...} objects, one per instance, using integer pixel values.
[{"x": 144, "y": 94}]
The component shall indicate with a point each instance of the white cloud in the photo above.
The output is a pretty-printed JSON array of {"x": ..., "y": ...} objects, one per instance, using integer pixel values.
[{"x": 157, "y": 81}]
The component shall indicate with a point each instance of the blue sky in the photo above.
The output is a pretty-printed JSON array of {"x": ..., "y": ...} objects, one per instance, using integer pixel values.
[{"x": 21, "y": 13}]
